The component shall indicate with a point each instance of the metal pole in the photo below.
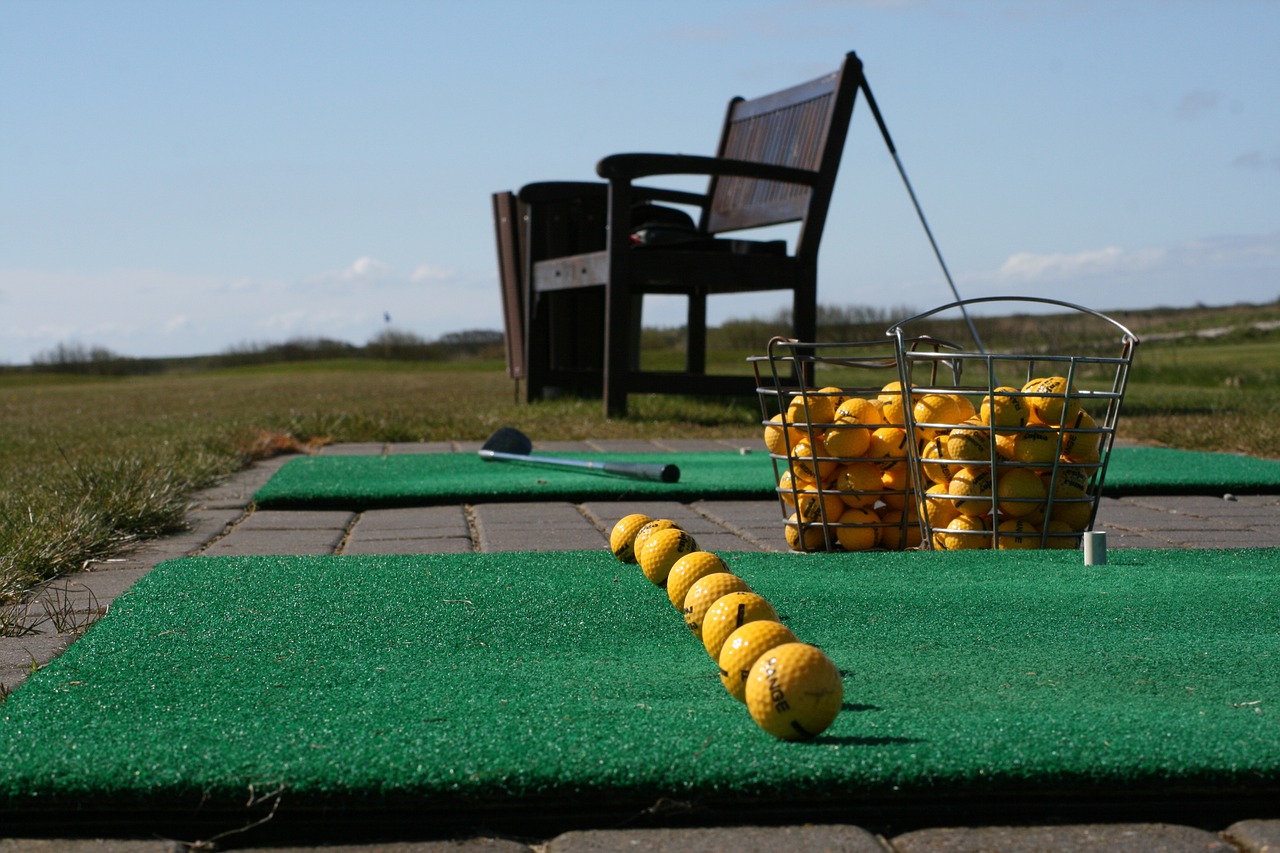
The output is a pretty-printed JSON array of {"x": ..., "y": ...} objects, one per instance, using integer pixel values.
[{"x": 884, "y": 131}]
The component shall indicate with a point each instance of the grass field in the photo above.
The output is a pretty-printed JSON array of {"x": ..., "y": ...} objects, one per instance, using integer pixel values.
[{"x": 92, "y": 464}]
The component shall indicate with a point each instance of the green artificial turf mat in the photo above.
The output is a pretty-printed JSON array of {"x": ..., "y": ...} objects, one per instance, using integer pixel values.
[
  {"x": 423, "y": 478},
  {"x": 1168, "y": 471},
  {"x": 356, "y": 482},
  {"x": 567, "y": 680}
]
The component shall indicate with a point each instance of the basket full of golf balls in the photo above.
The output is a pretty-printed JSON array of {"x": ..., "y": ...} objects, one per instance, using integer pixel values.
[
  {"x": 1009, "y": 450},
  {"x": 835, "y": 426}
]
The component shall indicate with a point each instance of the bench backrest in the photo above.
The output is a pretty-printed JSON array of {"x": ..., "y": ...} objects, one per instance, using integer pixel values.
[{"x": 803, "y": 127}]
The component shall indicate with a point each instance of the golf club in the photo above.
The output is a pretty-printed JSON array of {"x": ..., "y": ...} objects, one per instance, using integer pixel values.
[{"x": 511, "y": 445}]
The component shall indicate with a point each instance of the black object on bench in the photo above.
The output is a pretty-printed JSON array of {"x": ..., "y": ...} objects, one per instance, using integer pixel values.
[{"x": 577, "y": 258}]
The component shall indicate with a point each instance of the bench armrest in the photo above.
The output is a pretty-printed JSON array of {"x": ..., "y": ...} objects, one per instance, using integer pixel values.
[
  {"x": 547, "y": 192},
  {"x": 628, "y": 166}
]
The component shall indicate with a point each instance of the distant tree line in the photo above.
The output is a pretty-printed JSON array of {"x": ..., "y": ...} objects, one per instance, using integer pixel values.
[
  {"x": 89, "y": 361},
  {"x": 388, "y": 344},
  {"x": 1063, "y": 334}
]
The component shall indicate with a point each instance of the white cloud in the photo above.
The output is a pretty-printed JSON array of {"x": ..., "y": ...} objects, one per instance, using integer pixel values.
[
  {"x": 1029, "y": 267},
  {"x": 365, "y": 269},
  {"x": 1216, "y": 270},
  {"x": 429, "y": 273}
]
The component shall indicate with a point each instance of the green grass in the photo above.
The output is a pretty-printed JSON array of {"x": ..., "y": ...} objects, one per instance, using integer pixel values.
[
  {"x": 1216, "y": 394},
  {"x": 91, "y": 464}
]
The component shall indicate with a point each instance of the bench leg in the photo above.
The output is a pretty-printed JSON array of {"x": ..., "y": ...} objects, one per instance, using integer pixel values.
[
  {"x": 695, "y": 356},
  {"x": 621, "y": 348}
]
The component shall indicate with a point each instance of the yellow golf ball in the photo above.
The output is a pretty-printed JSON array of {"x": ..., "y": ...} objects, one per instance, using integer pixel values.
[
  {"x": 779, "y": 436},
  {"x": 968, "y": 443},
  {"x": 661, "y": 550},
  {"x": 858, "y": 530},
  {"x": 1004, "y": 409},
  {"x": 1081, "y": 446},
  {"x": 622, "y": 539},
  {"x": 1019, "y": 491},
  {"x": 1015, "y": 534},
  {"x": 965, "y": 533},
  {"x": 706, "y": 592},
  {"x": 859, "y": 484},
  {"x": 972, "y": 488},
  {"x": 687, "y": 571},
  {"x": 794, "y": 691},
  {"x": 647, "y": 530},
  {"x": 743, "y": 647},
  {"x": 729, "y": 613},
  {"x": 804, "y": 535},
  {"x": 859, "y": 410},
  {"x": 1053, "y": 401}
]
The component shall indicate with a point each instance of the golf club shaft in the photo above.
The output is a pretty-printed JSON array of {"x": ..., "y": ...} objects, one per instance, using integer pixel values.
[{"x": 658, "y": 472}]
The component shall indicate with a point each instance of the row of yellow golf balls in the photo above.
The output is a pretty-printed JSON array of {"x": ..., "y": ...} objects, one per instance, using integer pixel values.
[{"x": 791, "y": 689}]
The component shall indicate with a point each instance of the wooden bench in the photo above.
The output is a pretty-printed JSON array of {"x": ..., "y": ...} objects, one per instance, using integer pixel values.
[{"x": 583, "y": 271}]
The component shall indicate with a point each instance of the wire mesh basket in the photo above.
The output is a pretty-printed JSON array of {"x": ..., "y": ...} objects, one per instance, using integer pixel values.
[
  {"x": 1011, "y": 449},
  {"x": 835, "y": 427}
]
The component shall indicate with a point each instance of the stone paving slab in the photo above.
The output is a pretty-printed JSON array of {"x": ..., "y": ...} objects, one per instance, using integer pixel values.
[
  {"x": 98, "y": 588},
  {"x": 238, "y": 491},
  {"x": 19, "y": 655},
  {"x": 1255, "y": 836},
  {"x": 420, "y": 447},
  {"x": 418, "y": 530},
  {"x": 535, "y": 527},
  {"x": 437, "y": 545},
  {"x": 1117, "y": 538},
  {"x": 807, "y": 838},
  {"x": 283, "y": 519},
  {"x": 370, "y": 449},
  {"x": 267, "y": 543},
  {"x": 448, "y": 520},
  {"x": 1087, "y": 838}
]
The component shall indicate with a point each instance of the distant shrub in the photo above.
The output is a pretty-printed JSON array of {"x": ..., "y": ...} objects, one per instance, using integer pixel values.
[{"x": 87, "y": 360}]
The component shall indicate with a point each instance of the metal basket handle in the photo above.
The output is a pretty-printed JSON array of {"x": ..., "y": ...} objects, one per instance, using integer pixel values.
[{"x": 897, "y": 328}]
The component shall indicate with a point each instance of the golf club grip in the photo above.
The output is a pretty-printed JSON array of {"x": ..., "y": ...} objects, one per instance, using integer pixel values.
[{"x": 661, "y": 473}]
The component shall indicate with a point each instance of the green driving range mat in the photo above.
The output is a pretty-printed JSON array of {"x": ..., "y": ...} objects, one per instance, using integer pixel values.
[
  {"x": 426, "y": 478},
  {"x": 356, "y": 482},
  {"x": 1168, "y": 471},
  {"x": 540, "y": 680}
]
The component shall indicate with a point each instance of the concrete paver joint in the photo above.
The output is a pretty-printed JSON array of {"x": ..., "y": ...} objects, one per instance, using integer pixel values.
[
  {"x": 347, "y": 533},
  {"x": 226, "y": 531},
  {"x": 473, "y": 526}
]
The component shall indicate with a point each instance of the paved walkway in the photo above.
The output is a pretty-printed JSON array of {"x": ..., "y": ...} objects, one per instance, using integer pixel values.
[{"x": 224, "y": 522}]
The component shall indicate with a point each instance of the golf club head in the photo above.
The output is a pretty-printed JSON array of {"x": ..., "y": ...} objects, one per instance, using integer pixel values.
[{"x": 509, "y": 440}]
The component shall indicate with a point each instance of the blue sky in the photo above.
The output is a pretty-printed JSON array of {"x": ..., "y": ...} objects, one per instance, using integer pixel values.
[{"x": 181, "y": 177}]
